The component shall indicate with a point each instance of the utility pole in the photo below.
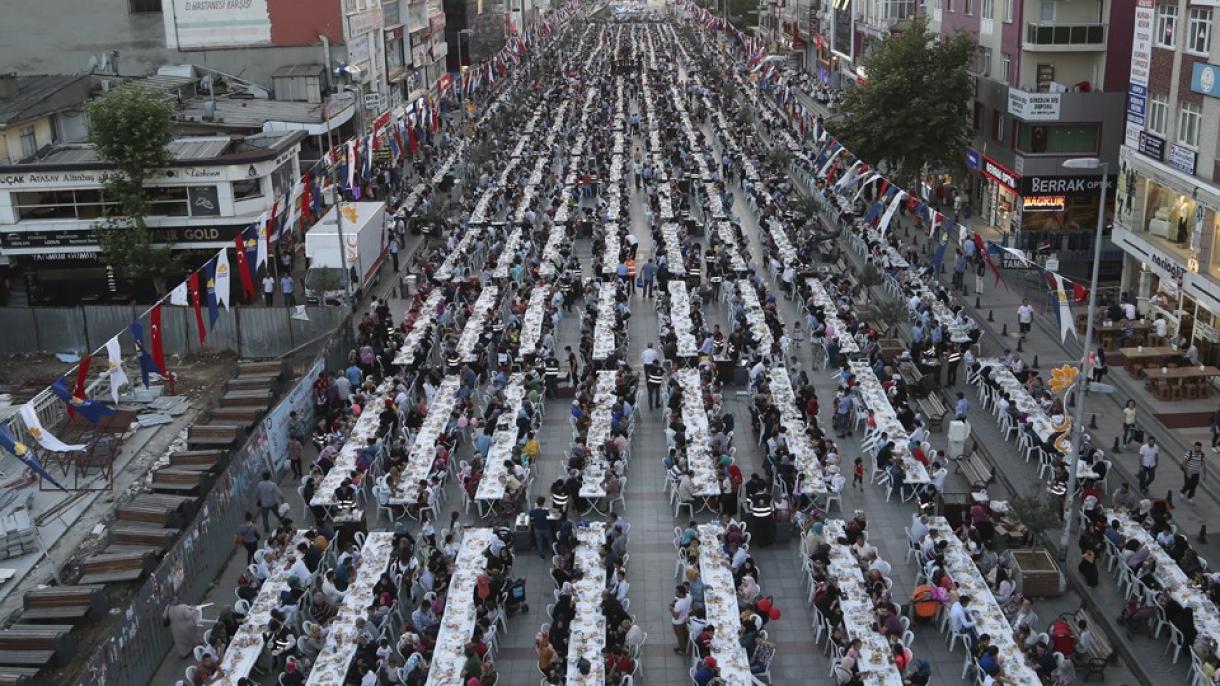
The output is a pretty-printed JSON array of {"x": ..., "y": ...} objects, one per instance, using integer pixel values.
[{"x": 334, "y": 183}]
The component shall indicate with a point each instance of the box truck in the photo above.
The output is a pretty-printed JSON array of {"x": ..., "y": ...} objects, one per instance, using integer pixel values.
[{"x": 364, "y": 246}]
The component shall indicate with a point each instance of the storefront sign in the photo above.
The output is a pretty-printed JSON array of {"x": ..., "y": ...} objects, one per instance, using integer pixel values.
[
  {"x": 1141, "y": 67},
  {"x": 204, "y": 201},
  {"x": 1000, "y": 174},
  {"x": 1182, "y": 159},
  {"x": 221, "y": 23},
  {"x": 972, "y": 159},
  {"x": 1044, "y": 203},
  {"x": 1167, "y": 267},
  {"x": 1203, "y": 289},
  {"x": 1152, "y": 146},
  {"x": 1062, "y": 185},
  {"x": 362, "y": 22},
  {"x": 67, "y": 238},
  {"x": 1033, "y": 106},
  {"x": 1205, "y": 79}
]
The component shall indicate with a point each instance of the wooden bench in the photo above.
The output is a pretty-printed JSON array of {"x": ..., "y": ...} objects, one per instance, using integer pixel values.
[
  {"x": 915, "y": 380},
  {"x": 934, "y": 410},
  {"x": 1099, "y": 654},
  {"x": 17, "y": 676},
  {"x": 975, "y": 468},
  {"x": 211, "y": 460},
  {"x": 116, "y": 567},
  {"x": 214, "y": 436},
  {"x": 64, "y": 604},
  {"x": 252, "y": 382},
  {"x": 244, "y": 417},
  {"x": 181, "y": 480},
  {"x": 279, "y": 370},
  {"x": 136, "y": 533},
  {"x": 34, "y": 645},
  {"x": 156, "y": 508},
  {"x": 247, "y": 398}
]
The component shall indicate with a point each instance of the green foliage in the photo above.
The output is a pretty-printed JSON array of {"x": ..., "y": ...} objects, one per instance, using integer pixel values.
[
  {"x": 1037, "y": 511},
  {"x": 779, "y": 157},
  {"x": 869, "y": 276},
  {"x": 913, "y": 110},
  {"x": 130, "y": 128},
  {"x": 890, "y": 313}
]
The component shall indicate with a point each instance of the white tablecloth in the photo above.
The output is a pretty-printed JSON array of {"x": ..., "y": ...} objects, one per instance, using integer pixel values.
[
  {"x": 876, "y": 663},
  {"x": 446, "y": 271},
  {"x": 424, "y": 323},
  {"x": 532, "y": 320},
  {"x": 755, "y": 318},
  {"x": 603, "y": 329},
  {"x": 673, "y": 249},
  {"x": 248, "y": 643},
  {"x": 1017, "y": 394},
  {"x": 345, "y": 462},
  {"x": 876, "y": 400},
  {"x": 988, "y": 616},
  {"x": 728, "y": 237},
  {"x": 332, "y": 663},
  {"x": 679, "y": 318},
  {"x": 593, "y": 481},
  {"x": 847, "y": 344},
  {"x": 720, "y": 599},
  {"x": 484, "y": 308},
  {"x": 457, "y": 624},
  {"x": 419, "y": 462},
  {"x": 808, "y": 467},
  {"x": 699, "y": 457},
  {"x": 588, "y": 629},
  {"x": 502, "y": 442}
]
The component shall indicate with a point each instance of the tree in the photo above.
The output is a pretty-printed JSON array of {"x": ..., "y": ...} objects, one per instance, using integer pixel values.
[
  {"x": 130, "y": 127},
  {"x": 1037, "y": 511},
  {"x": 912, "y": 111}
]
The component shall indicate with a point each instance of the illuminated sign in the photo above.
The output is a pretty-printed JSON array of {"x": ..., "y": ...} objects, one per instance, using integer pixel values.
[
  {"x": 1044, "y": 203},
  {"x": 1000, "y": 174}
]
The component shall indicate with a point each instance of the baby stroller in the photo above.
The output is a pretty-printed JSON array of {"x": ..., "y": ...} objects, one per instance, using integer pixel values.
[
  {"x": 1136, "y": 616},
  {"x": 514, "y": 597}
]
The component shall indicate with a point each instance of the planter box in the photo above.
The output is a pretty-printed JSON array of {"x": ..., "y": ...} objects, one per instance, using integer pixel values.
[
  {"x": 1036, "y": 572},
  {"x": 890, "y": 349}
]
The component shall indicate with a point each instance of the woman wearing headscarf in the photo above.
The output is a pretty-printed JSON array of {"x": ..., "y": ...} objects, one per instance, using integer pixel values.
[{"x": 184, "y": 624}]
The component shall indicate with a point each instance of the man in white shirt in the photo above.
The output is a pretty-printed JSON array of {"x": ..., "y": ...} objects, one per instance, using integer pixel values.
[
  {"x": 880, "y": 565},
  {"x": 960, "y": 620},
  {"x": 300, "y": 571},
  {"x": 1149, "y": 456},
  {"x": 649, "y": 355},
  {"x": 1025, "y": 317},
  {"x": 679, "y": 611},
  {"x": 1129, "y": 311},
  {"x": 919, "y": 527},
  {"x": 268, "y": 290}
]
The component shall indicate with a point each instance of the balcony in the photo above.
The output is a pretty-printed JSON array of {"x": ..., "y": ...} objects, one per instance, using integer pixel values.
[{"x": 1055, "y": 37}]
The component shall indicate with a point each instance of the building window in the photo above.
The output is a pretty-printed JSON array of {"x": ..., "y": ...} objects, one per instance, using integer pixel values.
[
  {"x": 1008, "y": 11},
  {"x": 67, "y": 204},
  {"x": 978, "y": 115},
  {"x": 1005, "y": 67},
  {"x": 969, "y": 7},
  {"x": 1047, "y": 12},
  {"x": 1190, "y": 119},
  {"x": 247, "y": 189},
  {"x": 142, "y": 6},
  {"x": 1199, "y": 31},
  {"x": 1166, "y": 24},
  {"x": 950, "y": 2},
  {"x": 1158, "y": 113},
  {"x": 29, "y": 141},
  {"x": 1057, "y": 139},
  {"x": 988, "y": 9},
  {"x": 984, "y": 61},
  {"x": 997, "y": 126}
]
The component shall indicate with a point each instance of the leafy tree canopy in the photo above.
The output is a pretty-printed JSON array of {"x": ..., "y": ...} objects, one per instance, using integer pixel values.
[{"x": 913, "y": 109}]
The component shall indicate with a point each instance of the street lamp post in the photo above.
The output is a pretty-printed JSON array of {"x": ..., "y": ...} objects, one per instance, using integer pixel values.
[{"x": 1087, "y": 163}]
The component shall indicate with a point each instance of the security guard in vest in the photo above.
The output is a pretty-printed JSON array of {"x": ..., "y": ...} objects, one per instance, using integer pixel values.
[
  {"x": 552, "y": 376},
  {"x": 714, "y": 278},
  {"x": 453, "y": 363},
  {"x": 762, "y": 515},
  {"x": 655, "y": 376}
]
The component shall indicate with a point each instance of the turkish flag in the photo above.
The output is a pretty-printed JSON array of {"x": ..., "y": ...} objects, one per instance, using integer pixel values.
[
  {"x": 82, "y": 375},
  {"x": 192, "y": 285},
  {"x": 243, "y": 267},
  {"x": 158, "y": 342}
]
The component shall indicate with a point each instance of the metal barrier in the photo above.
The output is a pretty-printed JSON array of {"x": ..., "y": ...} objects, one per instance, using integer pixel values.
[{"x": 137, "y": 644}]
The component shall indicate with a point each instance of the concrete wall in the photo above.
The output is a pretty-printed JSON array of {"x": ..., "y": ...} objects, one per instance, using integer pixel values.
[
  {"x": 59, "y": 37},
  {"x": 488, "y": 27},
  {"x": 10, "y": 137}
]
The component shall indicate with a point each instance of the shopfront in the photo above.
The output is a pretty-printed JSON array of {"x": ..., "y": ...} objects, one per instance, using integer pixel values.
[
  {"x": 1156, "y": 278},
  {"x": 1001, "y": 194}
]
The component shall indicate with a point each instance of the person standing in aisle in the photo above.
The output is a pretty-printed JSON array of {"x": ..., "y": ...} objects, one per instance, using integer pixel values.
[
  {"x": 287, "y": 286},
  {"x": 247, "y": 536},
  {"x": 1025, "y": 317},
  {"x": 655, "y": 377},
  {"x": 269, "y": 498},
  {"x": 1149, "y": 456},
  {"x": 394, "y": 247},
  {"x": 1193, "y": 470},
  {"x": 679, "y": 611},
  {"x": 268, "y": 289}
]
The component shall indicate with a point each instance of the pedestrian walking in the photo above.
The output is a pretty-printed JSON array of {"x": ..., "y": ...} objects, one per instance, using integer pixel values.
[
  {"x": 655, "y": 377},
  {"x": 1194, "y": 469},
  {"x": 1129, "y": 424},
  {"x": 679, "y": 611},
  {"x": 269, "y": 499},
  {"x": 540, "y": 522},
  {"x": 394, "y": 248},
  {"x": 247, "y": 536},
  {"x": 1025, "y": 317},
  {"x": 268, "y": 289},
  {"x": 1149, "y": 457},
  {"x": 648, "y": 272},
  {"x": 287, "y": 286},
  {"x": 1215, "y": 426},
  {"x": 980, "y": 270}
]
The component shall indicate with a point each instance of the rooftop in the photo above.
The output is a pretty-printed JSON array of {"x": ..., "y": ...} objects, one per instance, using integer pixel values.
[
  {"x": 38, "y": 96},
  {"x": 186, "y": 150}
]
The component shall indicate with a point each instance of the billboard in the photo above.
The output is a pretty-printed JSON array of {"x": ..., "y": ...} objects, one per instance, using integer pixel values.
[
  {"x": 1141, "y": 66},
  {"x": 221, "y": 23},
  {"x": 842, "y": 29}
]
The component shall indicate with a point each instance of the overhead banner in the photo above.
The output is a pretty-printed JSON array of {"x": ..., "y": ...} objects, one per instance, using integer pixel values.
[{"x": 221, "y": 23}]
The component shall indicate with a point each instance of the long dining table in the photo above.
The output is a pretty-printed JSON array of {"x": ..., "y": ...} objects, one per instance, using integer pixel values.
[
  {"x": 587, "y": 634},
  {"x": 457, "y": 624},
  {"x": 876, "y": 662},
  {"x": 720, "y": 602}
]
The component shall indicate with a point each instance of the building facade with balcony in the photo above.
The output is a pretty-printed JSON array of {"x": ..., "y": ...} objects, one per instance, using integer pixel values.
[
  {"x": 1050, "y": 80},
  {"x": 1168, "y": 205},
  {"x": 849, "y": 29}
]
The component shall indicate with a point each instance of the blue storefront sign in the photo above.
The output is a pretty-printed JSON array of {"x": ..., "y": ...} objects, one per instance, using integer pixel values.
[
  {"x": 972, "y": 159},
  {"x": 1205, "y": 79},
  {"x": 1137, "y": 103}
]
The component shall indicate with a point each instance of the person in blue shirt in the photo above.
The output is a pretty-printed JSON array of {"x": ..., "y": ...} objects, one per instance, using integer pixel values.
[
  {"x": 962, "y": 407},
  {"x": 989, "y": 661},
  {"x": 354, "y": 375},
  {"x": 706, "y": 671}
]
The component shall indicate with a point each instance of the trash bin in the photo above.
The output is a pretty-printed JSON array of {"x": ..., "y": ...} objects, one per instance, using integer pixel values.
[{"x": 408, "y": 285}]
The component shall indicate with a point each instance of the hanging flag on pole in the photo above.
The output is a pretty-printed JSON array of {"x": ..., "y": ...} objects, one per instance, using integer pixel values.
[
  {"x": 243, "y": 267},
  {"x": 23, "y": 453},
  {"x": 180, "y": 295},
  {"x": 197, "y": 303},
  {"x": 29, "y": 416},
  {"x": 146, "y": 363},
  {"x": 889, "y": 212},
  {"x": 91, "y": 410},
  {"x": 1064, "y": 312},
  {"x": 114, "y": 361},
  {"x": 82, "y": 376},
  {"x": 209, "y": 293},
  {"x": 223, "y": 278},
  {"x": 158, "y": 340}
]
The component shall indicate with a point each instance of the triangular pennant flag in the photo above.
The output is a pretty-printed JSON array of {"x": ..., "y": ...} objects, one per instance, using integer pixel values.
[
  {"x": 114, "y": 361},
  {"x": 223, "y": 278},
  {"x": 180, "y": 296},
  {"x": 23, "y": 453},
  {"x": 91, "y": 410},
  {"x": 157, "y": 335},
  {"x": 29, "y": 416},
  {"x": 209, "y": 276},
  {"x": 243, "y": 266},
  {"x": 146, "y": 363}
]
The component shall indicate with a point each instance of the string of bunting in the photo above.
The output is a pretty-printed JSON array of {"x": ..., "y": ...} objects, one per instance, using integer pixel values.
[{"x": 210, "y": 287}]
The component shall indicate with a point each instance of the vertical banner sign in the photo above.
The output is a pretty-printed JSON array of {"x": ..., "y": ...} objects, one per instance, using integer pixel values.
[
  {"x": 1141, "y": 66},
  {"x": 221, "y": 23}
]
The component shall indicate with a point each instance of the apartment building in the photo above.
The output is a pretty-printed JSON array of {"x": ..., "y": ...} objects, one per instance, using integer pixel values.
[{"x": 1168, "y": 199}]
